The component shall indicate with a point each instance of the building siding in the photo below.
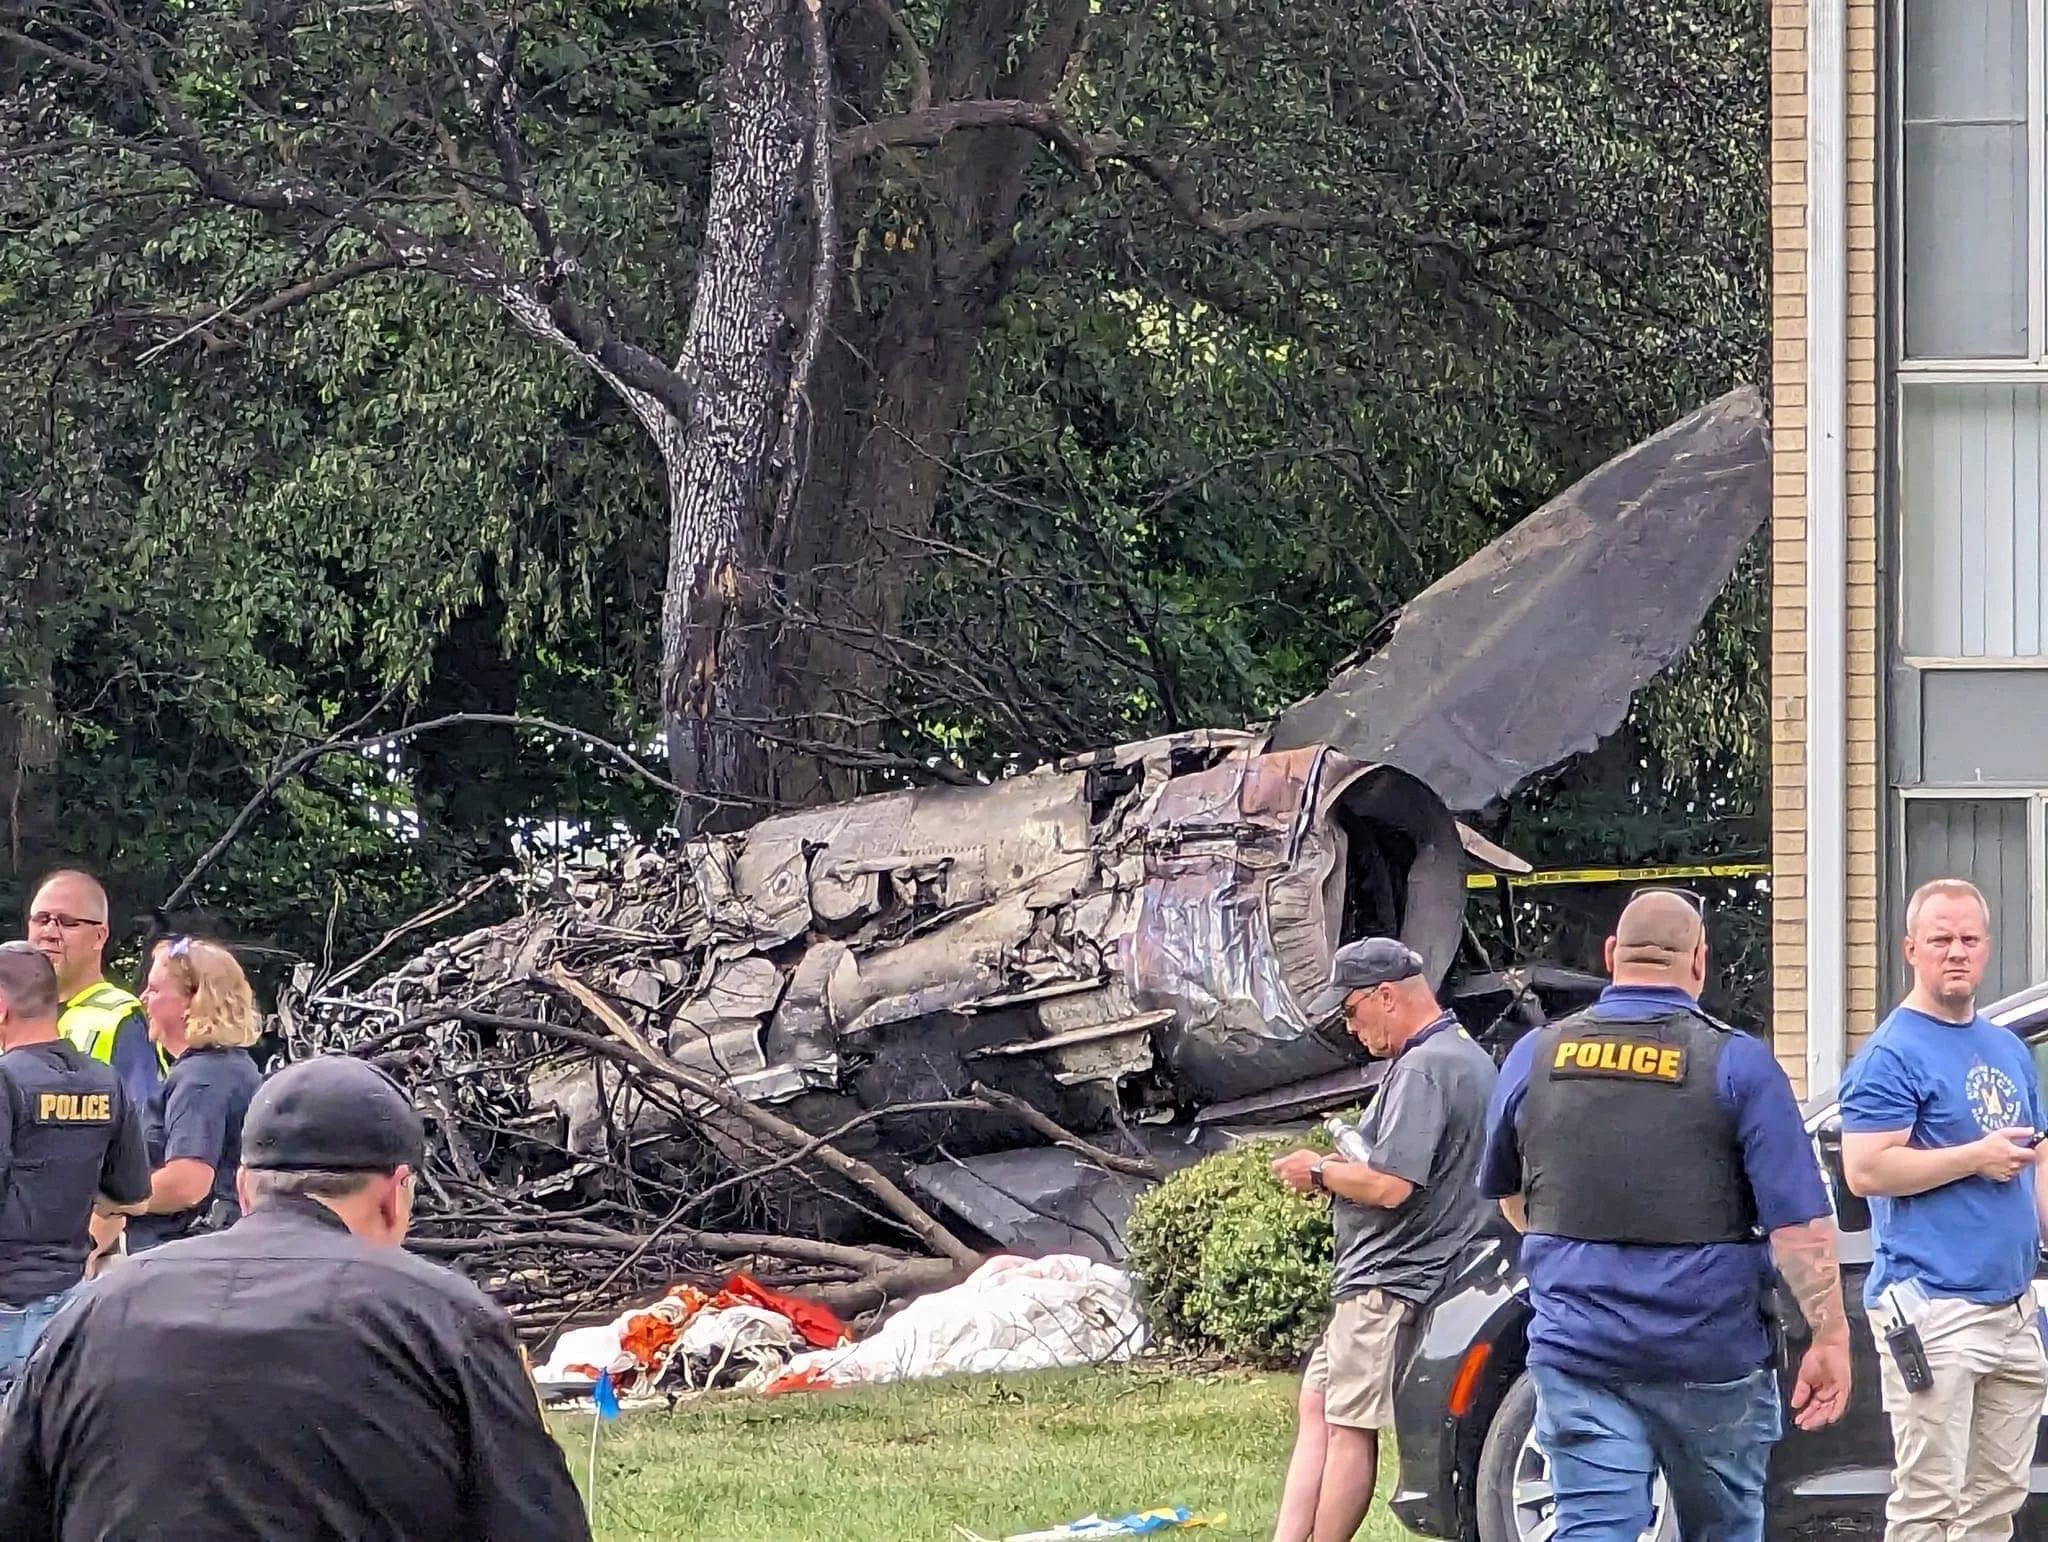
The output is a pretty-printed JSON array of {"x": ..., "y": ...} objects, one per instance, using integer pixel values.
[{"x": 1789, "y": 1026}]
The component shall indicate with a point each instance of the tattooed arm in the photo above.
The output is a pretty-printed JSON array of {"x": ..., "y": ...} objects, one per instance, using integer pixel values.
[
  {"x": 1812, "y": 1272},
  {"x": 1805, "y": 1256}
]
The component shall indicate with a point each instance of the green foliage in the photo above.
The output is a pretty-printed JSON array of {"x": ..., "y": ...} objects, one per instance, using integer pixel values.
[
  {"x": 1227, "y": 1258},
  {"x": 1197, "y": 467}
]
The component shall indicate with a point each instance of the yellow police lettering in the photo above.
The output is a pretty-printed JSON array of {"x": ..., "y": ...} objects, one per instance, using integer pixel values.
[
  {"x": 1616, "y": 1057},
  {"x": 74, "y": 1108}
]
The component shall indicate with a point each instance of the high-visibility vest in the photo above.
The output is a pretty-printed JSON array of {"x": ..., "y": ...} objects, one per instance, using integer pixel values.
[{"x": 93, "y": 1018}]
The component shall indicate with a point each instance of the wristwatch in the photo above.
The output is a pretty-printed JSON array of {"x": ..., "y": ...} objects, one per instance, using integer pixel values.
[{"x": 1315, "y": 1177}]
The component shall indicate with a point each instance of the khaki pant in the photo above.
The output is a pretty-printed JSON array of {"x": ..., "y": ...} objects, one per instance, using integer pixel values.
[
  {"x": 1353, "y": 1366},
  {"x": 1963, "y": 1447}
]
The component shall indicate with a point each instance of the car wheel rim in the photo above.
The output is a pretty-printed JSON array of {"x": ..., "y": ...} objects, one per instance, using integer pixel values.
[{"x": 1533, "y": 1500}]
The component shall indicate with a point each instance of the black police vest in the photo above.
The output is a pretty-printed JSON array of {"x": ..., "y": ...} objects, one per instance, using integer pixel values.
[
  {"x": 65, "y": 1110},
  {"x": 1624, "y": 1138}
]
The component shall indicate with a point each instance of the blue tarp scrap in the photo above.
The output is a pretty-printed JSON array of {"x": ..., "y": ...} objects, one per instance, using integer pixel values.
[{"x": 1139, "y": 1523}]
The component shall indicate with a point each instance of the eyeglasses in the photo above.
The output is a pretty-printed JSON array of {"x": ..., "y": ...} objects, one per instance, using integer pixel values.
[
  {"x": 178, "y": 947},
  {"x": 58, "y": 919}
]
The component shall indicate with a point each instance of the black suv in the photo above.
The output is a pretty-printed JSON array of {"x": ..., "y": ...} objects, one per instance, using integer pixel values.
[{"x": 1464, "y": 1409}]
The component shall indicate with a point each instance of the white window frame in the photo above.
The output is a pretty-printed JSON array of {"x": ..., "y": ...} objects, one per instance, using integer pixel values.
[
  {"x": 2033, "y": 369},
  {"x": 1909, "y": 372},
  {"x": 2036, "y": 799}
]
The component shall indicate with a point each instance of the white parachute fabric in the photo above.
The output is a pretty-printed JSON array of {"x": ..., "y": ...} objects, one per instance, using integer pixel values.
[{"x": 1010, "y": 1315}]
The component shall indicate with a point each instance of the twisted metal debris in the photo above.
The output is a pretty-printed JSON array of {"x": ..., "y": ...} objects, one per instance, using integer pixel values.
[{"x": 1016, "y": 999}]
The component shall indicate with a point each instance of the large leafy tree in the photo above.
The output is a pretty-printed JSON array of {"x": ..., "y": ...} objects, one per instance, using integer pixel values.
[
  {"x": 779, "y": 235},
  {"x": 862, "y": 391}
]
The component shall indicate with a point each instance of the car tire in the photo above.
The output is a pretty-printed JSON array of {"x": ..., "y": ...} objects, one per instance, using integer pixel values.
[{"x": 1510, "y": 1488}]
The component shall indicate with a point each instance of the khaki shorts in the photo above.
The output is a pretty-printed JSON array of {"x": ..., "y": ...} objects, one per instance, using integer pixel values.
[{"x": 1353, "y": 1366}]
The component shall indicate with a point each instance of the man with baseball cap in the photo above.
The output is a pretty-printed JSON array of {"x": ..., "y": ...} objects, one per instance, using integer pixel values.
[
  {"x": 297, "y": 1375},
  {"x": 1405, "y": 1206}
]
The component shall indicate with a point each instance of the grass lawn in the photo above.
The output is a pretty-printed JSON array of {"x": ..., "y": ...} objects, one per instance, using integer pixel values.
[{"x": 909, "y": 1463}]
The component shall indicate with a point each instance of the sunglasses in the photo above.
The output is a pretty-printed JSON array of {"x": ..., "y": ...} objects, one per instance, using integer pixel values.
[
  {"x": 1697, "y": 903},
  {"x": 178, "y": 947}
]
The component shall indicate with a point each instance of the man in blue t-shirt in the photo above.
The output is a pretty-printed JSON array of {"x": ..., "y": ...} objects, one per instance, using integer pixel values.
[
  {"x": 1647, "y": 1152},
  {"x": 1939, "y": 1114}
]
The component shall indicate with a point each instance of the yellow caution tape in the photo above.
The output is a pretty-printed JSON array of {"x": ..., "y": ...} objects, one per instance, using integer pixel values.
[{"x": 1557, "y": 877}]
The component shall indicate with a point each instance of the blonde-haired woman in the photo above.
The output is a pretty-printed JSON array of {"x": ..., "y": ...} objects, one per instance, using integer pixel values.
[{"x": 202, "y": 1012}]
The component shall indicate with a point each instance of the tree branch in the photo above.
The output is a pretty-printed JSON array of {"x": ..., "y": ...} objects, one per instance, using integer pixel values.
[
  {"x": 293, "y": 764},
  {"x": 913, "y": 55},
  {"x": 296, "y": 294},
  {"x": 932, "y": 124},
  {"x": 1086, "y": 154},
  {"x": 1060, "y": 1135},
  {"x": 1186, "y": 201},
  {"x": 649, "y": 386}
]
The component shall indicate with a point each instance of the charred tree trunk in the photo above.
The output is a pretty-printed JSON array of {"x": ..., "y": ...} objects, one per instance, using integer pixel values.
[{"x": 720, "y": 465}]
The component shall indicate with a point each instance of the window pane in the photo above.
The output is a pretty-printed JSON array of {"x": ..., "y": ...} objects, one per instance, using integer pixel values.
[
  {"x": 1985, "y": 841},
  {"x": 1966, "y": 59},
  {"x": 1973, "y": 465},
  {"x": 1966, "y": 241}
]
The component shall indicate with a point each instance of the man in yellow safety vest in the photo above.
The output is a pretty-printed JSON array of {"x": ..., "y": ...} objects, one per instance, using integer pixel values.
[{"x": 67, "y": 923}]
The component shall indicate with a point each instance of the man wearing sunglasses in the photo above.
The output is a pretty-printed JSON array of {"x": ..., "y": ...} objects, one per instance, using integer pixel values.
[
  {"x": 67, "y": 924},
  {"x": 1657, "y": 1163}
]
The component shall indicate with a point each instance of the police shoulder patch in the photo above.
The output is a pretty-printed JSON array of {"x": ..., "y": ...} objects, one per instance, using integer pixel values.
[{"x": 1626, "y": 1059}]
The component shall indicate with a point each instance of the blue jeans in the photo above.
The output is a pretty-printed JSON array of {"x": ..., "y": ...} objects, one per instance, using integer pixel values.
[
  {"x": 20, "y": 1329},
  {"x": 1606, "y": 1442}
]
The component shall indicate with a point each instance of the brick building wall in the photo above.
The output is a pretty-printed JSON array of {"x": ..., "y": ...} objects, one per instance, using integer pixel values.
[{"x": 1788, "y": 531}]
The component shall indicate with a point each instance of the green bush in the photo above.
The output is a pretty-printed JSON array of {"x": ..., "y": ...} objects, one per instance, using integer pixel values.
[{"x": 1227, "y": 1258}]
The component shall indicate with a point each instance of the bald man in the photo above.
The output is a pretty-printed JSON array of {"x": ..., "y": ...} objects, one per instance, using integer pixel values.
[
  {"x": 67, "y": 924},
  {"x": 1648, "y": 1152}
]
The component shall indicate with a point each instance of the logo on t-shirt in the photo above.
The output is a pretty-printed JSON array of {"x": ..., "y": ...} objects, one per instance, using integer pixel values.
[{"x": 1994, "y": 1098}]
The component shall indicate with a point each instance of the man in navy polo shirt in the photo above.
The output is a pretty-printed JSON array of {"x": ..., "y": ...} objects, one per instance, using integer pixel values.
[
  {"x": 1939, "y": 1114},
  {"x": 1647, "y": 1152}
]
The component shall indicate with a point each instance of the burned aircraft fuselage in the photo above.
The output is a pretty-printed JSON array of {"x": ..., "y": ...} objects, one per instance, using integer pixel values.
[{"x": 1126, "y": 935}]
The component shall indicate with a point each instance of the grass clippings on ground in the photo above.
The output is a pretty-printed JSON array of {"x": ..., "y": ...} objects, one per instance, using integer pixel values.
[{"x": 910, "y": 1463}]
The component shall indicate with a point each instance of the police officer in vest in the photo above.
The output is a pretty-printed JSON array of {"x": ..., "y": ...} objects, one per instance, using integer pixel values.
[
  {"x": 67, "y": 924},
  {"x": 68, "y": 1134},
  {"x": 1656, "y": 1161}
]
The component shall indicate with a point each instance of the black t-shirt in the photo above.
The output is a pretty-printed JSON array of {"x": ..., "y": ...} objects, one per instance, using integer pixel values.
[
  {"x": 68, "y": 1131},
  {"x": 197, "y": 1114}
]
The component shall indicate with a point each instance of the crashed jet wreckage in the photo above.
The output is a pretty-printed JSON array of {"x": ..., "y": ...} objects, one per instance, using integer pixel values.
[{"x": 1123, "y": 940}]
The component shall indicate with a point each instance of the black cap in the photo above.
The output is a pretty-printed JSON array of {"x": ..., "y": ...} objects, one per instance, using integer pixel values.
[
  {"x": 1359, "y": 966},
  {"x": 333, "y": 1112}
]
